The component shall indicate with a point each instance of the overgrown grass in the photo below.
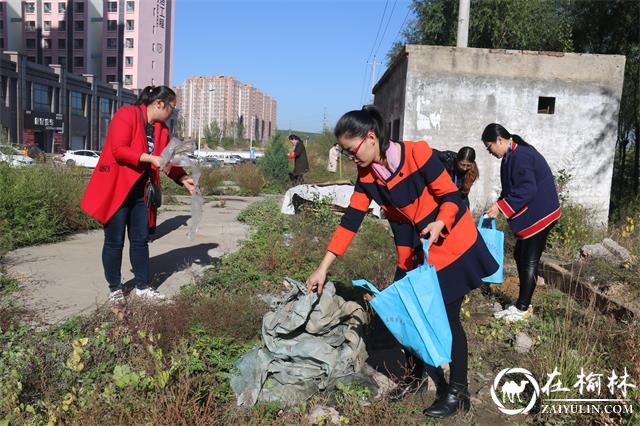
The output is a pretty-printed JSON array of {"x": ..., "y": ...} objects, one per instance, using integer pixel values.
[
  {"x": 41, "y": 204},
  {"x": 100, "y": 369},
  {"x": 284, "y": 246},
  {"x": 168, "y": 364},
  {"x": 568, "y": 337}
]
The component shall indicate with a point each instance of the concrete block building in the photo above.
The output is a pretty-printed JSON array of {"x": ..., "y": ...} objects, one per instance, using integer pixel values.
[{"x": 564, "y": 104}]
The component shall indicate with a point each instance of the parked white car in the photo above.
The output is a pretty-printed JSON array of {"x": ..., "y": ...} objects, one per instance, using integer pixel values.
[
  {"x": 11, "y": 155},
  {"x": 82, "y": 158}
]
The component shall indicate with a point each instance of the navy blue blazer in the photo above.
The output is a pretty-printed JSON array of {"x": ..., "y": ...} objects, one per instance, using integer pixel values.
[{"x": 529, "y": 199}]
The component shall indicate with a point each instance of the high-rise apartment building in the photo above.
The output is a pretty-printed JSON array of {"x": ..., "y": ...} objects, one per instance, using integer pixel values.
[
  {"x": 233, "y": 106},
  {"x": 125, "y": 41},
  {"x": 138, "y": 42}
]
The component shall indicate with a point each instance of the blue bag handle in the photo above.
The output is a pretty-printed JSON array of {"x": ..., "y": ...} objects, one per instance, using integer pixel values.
[
  {"x": 366, "y": 284},
  {"x": 425, "y": 249},
  {"x": 482, "y": 221}
]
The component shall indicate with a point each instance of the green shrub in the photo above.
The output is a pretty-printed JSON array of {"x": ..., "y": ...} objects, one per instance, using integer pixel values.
[
  {"x": 169, "y": 187},
  {"x": 274, "y": 166},
  {"x": 573, "y": 229},
  {"x": 41, "y": 204},
  {"x": 211, "y": 179},
  {"x": 248, "y": 179}
]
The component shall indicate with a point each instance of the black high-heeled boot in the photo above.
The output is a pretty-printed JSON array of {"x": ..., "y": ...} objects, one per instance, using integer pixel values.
[
  {"x": 442, "y": 387},
  {"x": 457, "y": 398}
]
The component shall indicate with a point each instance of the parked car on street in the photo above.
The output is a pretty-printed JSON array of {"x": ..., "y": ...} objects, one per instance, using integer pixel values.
[
  {"x": 9, "y": 154},
  {"x": 82, "y": 158},
  {"x": 211, "y": 162},
  {"x": 32, "y": 151}
]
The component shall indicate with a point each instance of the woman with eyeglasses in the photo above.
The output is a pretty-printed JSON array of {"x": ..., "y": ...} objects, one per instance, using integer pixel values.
[
  {"x": 120, "y": 192},
  {"x": 529, "y": 201},
  {"x": 462, "y": 169},
  {"x": 409, "y": 182}
]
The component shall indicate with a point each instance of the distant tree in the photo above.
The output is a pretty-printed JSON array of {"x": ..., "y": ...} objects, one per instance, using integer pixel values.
[
  {"x": 212, "y": 134},
  {"x": 500, "y": 24},
  {"x": 275, "y": 163},
  {"x": 239, "y": 128},
  {"x": 179, "y": 128},
  {"x": 4, "y": 137}
]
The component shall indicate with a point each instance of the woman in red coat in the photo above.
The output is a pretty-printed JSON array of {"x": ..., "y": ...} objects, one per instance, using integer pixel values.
[{"x": 115, "y": 196}]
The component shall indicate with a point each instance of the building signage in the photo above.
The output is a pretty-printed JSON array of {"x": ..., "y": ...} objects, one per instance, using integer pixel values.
[
  {"x": 160, "y": 9},
  {"x": 43, "y": 121},
  {"x": 28, "y": 137}
]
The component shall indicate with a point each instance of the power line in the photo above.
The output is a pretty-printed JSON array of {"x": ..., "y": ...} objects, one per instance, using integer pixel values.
[
  {"x": 386, "y": 27},
  {"x": 384, "y": 12},
  {"x": 373, "y": 74},
  {"x": 402, "y": 26},
  {"x": 368, "y": 61}
]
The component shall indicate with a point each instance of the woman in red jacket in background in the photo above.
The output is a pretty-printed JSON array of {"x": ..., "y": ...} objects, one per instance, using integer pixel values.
[{"x": 115, "y": 195}]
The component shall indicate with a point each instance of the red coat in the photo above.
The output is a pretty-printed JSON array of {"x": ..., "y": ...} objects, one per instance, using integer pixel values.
[{"x": 118, "y": 168}]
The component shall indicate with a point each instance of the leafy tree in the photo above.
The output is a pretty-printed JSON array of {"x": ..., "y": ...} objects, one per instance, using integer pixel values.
[
  {"x": 239, "y": 127},
  {"x": 604, "y": 27},
  {"x": 275, "y": 163},
  {"x": 504, "y": 24},
  {"x": 212, "y": 134}
]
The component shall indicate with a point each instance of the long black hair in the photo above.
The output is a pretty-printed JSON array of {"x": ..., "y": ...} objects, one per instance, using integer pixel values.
[
  {"x": 493, "y": 130},
  {"x": 356, "y": 124},
  {"x": 466, "y": 153},
  {"x": 150, "y": 94}
]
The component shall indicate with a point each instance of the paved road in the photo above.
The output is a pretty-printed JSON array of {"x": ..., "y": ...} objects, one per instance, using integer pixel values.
[{"x": 65, "y": 279}]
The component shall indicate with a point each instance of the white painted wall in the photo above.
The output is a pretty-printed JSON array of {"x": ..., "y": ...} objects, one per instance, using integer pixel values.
[{"x": 451, "y": 109}]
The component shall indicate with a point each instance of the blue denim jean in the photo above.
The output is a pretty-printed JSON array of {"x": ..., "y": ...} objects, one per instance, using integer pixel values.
[{"x": 133, "y": 216}]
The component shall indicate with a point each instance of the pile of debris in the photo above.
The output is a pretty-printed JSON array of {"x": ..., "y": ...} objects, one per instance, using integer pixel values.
[
  {"x": 311, "y": 343},
  {"x": 609, "y": 251}
]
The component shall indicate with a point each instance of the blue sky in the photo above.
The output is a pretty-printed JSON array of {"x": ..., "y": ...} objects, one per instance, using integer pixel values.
[{"x": 308, "y": 55}]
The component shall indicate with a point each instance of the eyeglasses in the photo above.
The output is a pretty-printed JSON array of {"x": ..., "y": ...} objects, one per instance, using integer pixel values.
[
  {"x": 173, "y": 107},
  {"x": 351, "y": 153}
]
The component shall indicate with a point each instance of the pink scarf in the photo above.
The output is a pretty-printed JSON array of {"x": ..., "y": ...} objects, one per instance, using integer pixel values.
[{"x": 393, "y": 161}]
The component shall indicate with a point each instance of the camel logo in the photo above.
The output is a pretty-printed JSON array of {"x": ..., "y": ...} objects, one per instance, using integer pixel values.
[{"x": 512, "y": 390}]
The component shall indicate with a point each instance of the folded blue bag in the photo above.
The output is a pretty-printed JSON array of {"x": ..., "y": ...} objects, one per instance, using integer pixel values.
[
  {"x": 494, "y": 240},
  {"x": 413, "y": 310}
]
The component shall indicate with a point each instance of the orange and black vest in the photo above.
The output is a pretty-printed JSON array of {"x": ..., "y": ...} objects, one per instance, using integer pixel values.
[{"x": 419, "y": 192}]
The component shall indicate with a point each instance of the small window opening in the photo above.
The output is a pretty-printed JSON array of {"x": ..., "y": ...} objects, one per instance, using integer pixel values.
[{"x": 546, "y": 105}]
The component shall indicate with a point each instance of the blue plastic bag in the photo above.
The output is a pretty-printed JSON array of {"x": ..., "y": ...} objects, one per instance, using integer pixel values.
[
  {"x": 413, "y": 310},
  {"x": 494, "y": 240}
]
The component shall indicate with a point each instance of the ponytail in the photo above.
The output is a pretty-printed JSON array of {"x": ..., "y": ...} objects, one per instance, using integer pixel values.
[
  {"x": 150, "y": 94},
  {"x": 493, "y": 130},
  {"x": 469, "y": 178},
  {"x": 357, "y": 123}
]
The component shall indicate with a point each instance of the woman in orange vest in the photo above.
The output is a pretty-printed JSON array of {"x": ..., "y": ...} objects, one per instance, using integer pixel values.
[{"x": 419, "y": 198}]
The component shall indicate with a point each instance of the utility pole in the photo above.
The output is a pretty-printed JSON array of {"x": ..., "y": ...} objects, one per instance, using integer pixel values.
[
  {"x": 373, "y": 75},
  {"x": 463, "y": 24},
  {"x": 325, "y": 124}
]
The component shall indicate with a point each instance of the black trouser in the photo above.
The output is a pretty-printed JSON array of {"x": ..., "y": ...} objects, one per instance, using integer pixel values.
[
  {"x": 459, "y": 351},
  {"x": 527, "y": 255},
  {"x": 296, "y": 179}
]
